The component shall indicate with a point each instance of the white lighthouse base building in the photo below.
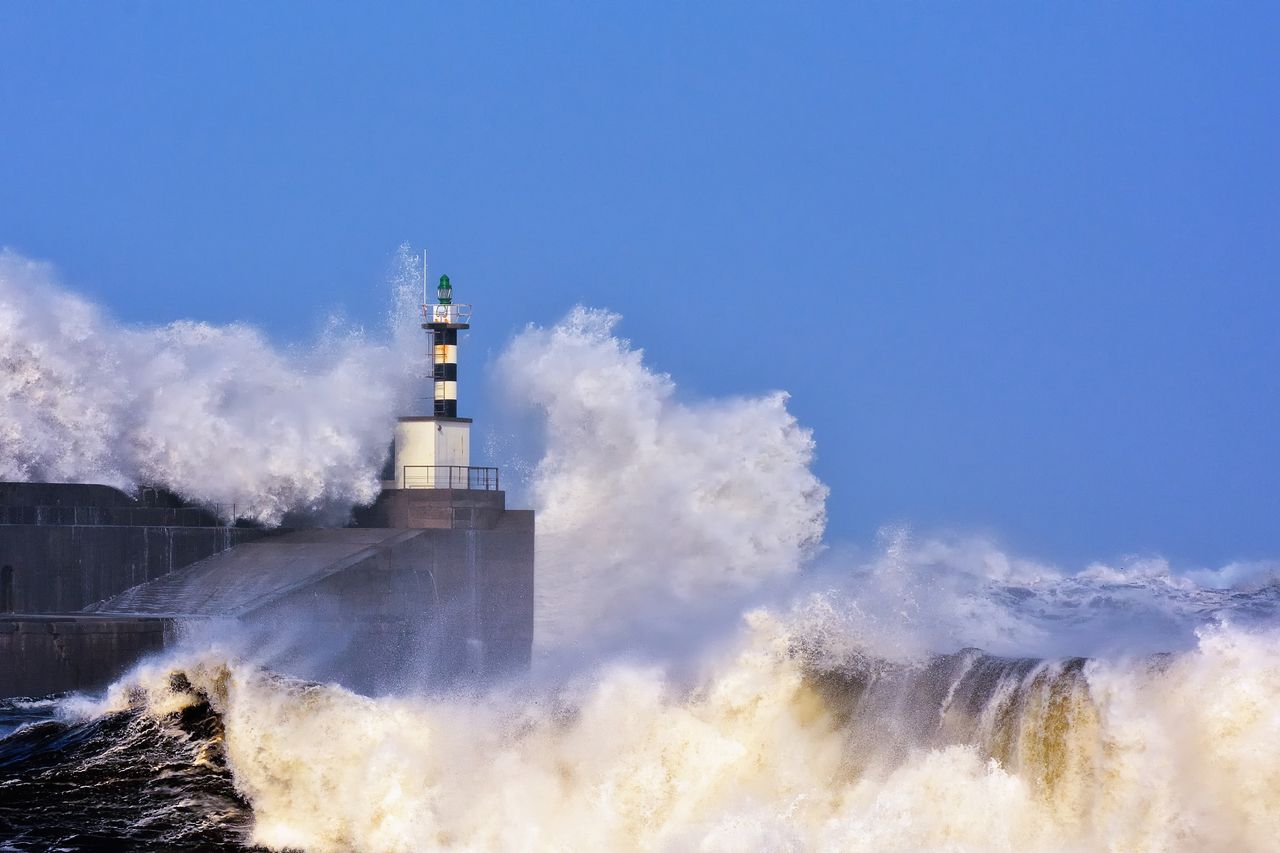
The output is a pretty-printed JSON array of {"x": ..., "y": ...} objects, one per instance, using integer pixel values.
[{"x": 430, "y": 453}]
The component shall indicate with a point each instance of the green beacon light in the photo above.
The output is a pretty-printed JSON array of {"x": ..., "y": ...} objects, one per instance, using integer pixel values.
[{"x": 445, "y": 291}]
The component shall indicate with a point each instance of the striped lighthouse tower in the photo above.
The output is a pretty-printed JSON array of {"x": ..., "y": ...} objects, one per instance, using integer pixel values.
[
  {"x": 443, "y": 321},
  {"x": 433, "y": 451}
]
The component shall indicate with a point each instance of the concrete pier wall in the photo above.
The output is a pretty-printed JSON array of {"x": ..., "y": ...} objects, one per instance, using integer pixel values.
[
  {"x": 40, "y": 655},
  {"x": 63, "y": 568},
  {"x": 431, "y": 607},
  {"x": 63, "y": 495},
  {"x": 377, "y": 609},
  {"x": 433, "y": 586},
  {"x": 64, "y": 546},
  {"x": 441, "y": 509}
]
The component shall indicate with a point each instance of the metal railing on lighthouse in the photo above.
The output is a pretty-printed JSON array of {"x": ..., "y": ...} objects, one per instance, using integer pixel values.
[{"x": 450, "y": 477}]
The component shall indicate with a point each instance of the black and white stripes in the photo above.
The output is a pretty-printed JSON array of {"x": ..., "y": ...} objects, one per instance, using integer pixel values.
[
  {"x": 442, "y": 321},
  {"x": 444, "y": 358}
]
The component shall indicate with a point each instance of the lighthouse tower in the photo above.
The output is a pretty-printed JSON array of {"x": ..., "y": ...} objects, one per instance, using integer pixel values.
[
  {"x": 443, "y": 321},
  {"x": 433, "y": 451}
]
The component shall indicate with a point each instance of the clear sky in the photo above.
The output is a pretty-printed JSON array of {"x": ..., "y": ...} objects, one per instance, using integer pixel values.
[{"x": 1016, "y": 263}]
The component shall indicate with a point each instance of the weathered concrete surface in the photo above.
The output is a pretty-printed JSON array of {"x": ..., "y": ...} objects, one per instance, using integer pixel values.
[
  {"x": 40, "y": 655},
  {"x": 374, "y": 608},
  {"x": 446, "y": 592},
  {"x": 441, "y": 509},
  {"x": 71, "y": 544},
  {"x": 63, "y": 494},
  {"x": 63, "y": 568},
  {"x": 251, "y": 575}
]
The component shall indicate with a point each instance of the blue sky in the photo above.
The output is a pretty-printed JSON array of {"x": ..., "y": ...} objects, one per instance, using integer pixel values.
[{"x": 1016, "y": 263}]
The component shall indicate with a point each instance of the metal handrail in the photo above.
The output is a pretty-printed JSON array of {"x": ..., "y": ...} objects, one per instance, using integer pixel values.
[
  {"x": 450, "y": 477},
  {"x": 454, "y": 312}
]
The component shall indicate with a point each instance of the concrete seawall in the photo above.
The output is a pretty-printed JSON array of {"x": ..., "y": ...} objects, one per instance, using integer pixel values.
[
  {"x": 40, "y": 655},
  {"x": 64, "y": 546},
  {"x": 376, "y": 608},
  {"x": 431, "y": 586},
  {"x": 63, "y": 568}
]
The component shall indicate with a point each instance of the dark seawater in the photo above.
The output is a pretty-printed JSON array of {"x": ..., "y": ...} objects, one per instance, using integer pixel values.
[{"x": 123, "y": 781}]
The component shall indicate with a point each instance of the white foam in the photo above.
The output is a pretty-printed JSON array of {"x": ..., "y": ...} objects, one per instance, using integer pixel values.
[
  {"x": 649, "y": 508},
  {"x": 644, "y": 500},
  {"x": 1184, "y": 756},
  {"x": 214, "y": 413}
]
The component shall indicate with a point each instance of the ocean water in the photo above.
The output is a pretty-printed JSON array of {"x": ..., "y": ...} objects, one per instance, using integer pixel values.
[
  {"x": 710, "y": 673},
  {"x": 775, "y": 744}
]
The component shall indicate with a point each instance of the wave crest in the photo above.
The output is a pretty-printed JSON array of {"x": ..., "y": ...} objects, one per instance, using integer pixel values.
[{"x": 213, "y": 413}]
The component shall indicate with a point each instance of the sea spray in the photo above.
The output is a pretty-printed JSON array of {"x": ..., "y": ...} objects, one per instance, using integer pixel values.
[
  {"x": 853, "y": 719},
  {"x": 645, "y": 501},
  {"x": 217, "y": 414},
  {"x": 767, "y": 749},
  {"x": 913, "y": 595}
]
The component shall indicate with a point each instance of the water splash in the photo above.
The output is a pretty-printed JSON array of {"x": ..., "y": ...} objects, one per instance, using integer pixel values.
[
  {"x": 767, "y": 748},
  {"x": 853, "y": 718},
  {"x": 214, "y": 413},
  {"x": 914, "y": 596},
  {"x": 645, "y": 501}
]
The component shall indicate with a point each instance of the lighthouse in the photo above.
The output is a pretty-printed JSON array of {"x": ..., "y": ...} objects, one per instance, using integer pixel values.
[
  {"x": 433, "y": 450},
  {"x": 431, "y": 582},
  {"x": 443, "y": 321}
]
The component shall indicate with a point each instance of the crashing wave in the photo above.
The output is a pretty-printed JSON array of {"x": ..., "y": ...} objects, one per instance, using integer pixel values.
[
  {"x": 214, "y": 413},
  {"x": 770, "y": 748}
]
